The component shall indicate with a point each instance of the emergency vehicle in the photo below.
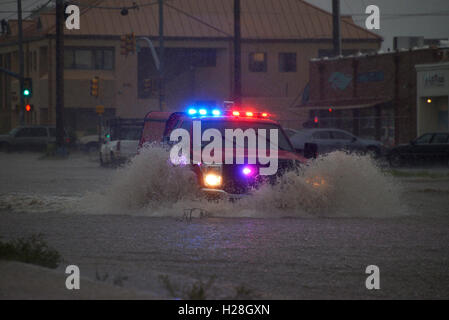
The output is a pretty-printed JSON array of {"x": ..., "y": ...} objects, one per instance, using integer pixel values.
[{"x": 219, "y": 179}]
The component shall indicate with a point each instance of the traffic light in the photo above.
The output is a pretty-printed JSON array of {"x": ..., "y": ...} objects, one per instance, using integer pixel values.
[
  {"x": 94, "y": 86},
  {"x": 27, "y": 88},
  {"x": 123, "y": 47},
  {"x": 29, "y": 108},
  {"x": 147, "y": 85},
  {"x": 127, "y": 44},
  {"x": 131, "y": 43}
]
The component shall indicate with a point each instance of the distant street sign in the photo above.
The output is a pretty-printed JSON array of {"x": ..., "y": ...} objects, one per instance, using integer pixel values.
[{"x": 99, "y": 109}]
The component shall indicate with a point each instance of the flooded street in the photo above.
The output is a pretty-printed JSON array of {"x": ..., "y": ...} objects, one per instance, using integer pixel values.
[{"x": 272, "y": 253}]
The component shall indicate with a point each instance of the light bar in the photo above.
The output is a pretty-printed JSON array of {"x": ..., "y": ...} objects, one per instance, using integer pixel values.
[
  {"x": 249, "y": 114},
  {"x": 203, "y": 111}
]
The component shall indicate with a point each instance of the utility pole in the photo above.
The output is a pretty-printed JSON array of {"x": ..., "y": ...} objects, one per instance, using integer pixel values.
[
  {"x": 161, "y": 56},
  {"x": 21, "y": 63},
  {"x": 336, "y": 27},
  {"x": 237, "y": 55},
  {"x": 60, "y": 75}
]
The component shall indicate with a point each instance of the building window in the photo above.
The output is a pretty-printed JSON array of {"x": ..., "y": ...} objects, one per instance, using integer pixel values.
[
  {"x": 202, "y": 58},
  {"x": 287, "y": 62},
  {"x": 258, "y": 62},
  {"x": 43, "y": 66},
  {"x": 89, "y": 59},
  {"x": 34, "y": 60}
]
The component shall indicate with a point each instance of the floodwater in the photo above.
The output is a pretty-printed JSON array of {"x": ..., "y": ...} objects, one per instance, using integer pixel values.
[{"x": 311, "y": 236}]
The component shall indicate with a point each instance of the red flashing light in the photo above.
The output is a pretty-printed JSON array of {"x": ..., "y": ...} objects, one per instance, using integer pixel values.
[
  {"x": 249, "y": 114},
  {"x": 28, "y": 108}
]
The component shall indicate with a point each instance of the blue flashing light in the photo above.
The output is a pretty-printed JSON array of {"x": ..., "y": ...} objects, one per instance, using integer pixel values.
[
  {"x": 216, "y": 112},
  {"x": 192, "y": 111},
  {"x": 203, "y": 112}
]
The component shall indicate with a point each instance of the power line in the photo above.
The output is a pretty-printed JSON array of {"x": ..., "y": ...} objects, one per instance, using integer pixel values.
[
  {"x": 198, "y": 20},
  {"x": 133, "y": 6},
  {"x": 27, "y": 7}
]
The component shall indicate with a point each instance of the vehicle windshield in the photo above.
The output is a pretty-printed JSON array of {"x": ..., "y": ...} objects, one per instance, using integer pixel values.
[{"x": 282, "y": 143}]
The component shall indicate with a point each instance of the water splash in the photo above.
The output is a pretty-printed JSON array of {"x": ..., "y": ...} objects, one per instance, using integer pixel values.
[
  {"x": 335, "y": 185},
  {"x": 338, "y": 184}
]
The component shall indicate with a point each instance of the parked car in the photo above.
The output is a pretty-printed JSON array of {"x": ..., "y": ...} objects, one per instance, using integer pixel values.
[
  {"x": 89, "y": 143},
  {"x": 120, "y": 141},
  {"x": 322, "y": 141},
  {"x": 28, "y": 138},
  {"x": 430, "y": 147},
  {"x": 290, "y": 132}
]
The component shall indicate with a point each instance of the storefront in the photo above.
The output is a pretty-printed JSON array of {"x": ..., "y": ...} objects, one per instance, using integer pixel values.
[
  {"x": 432, "y": 98},
  {"x": 373, "y": 120}
]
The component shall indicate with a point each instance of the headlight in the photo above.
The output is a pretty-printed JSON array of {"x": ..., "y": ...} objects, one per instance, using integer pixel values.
[
  {"x": 212, "y": 175},
  {"x": 212, "y": 180}
]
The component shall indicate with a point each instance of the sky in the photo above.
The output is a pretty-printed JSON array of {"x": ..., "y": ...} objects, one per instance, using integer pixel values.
[
  {"x": 429, "y": 26},
  {"x": 391, "y": 26}
]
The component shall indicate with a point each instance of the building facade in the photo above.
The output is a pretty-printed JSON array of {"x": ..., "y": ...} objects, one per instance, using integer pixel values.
[
  {"x": 433, "y": 98},
  {"x": 373, "y": 96},
  {"x": 278, "y": 40}
]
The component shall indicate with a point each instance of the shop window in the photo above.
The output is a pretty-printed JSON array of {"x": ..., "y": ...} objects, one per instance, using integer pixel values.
[
  {"x": 258, "y": 62},
  {"x": 287, "y": 62},
  {"x": 89, "y": 59}
]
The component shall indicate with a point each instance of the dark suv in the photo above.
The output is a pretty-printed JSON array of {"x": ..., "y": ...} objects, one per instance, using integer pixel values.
[
  {"x": 28, "y": 138},
  {"x": 430, "y": 147}
]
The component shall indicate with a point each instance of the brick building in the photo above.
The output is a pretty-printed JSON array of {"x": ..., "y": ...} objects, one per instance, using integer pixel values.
[{"x": 372, "y": 95}]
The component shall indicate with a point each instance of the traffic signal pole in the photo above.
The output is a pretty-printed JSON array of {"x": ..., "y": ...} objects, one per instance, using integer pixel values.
[
  {"x": 21, "y": 63},
  {"x": 237, "y": 55},
  {"x": 60, "y": 75},
  {"x": 161, "y": 56},
  {"x": 336, "y": 27}
]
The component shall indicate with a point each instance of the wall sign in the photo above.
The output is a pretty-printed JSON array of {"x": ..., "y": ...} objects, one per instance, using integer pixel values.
[{"x": 434, "y": 79}]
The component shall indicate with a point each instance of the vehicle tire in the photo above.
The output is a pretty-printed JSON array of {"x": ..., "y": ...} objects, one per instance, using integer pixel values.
[
  {"x": 113, "y": 160},
  {"x": 373, "y": 152},
  {"x": 91, "y": 147},
  {"x": 396, "y": 160},
  {"x": 102, "y": 163},
  {"x": 5, "y": 147}
]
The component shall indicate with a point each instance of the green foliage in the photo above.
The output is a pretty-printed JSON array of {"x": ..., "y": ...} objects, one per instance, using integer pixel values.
[
  {"x": 33, "y": 250},
  {"x": 196, "y": 291}
]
